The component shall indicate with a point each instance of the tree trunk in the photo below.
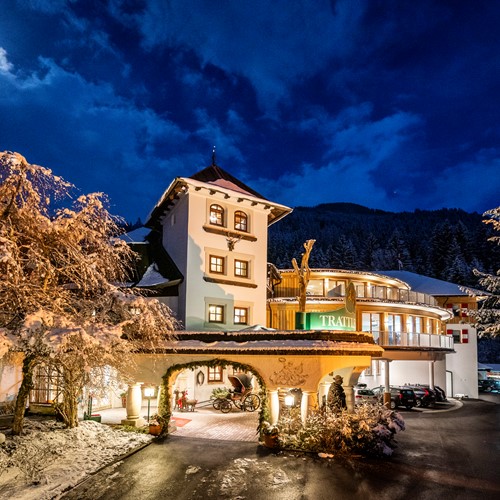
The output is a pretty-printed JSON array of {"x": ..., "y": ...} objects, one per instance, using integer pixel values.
[
  {"x": 29, "y": 364},
  {"x": 69, "y": 407}
]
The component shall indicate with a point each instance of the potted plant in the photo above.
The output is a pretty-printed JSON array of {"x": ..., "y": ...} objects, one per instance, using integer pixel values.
[
  {"x": 271, "y": 435},
  {"x": 156, "y": 424}
]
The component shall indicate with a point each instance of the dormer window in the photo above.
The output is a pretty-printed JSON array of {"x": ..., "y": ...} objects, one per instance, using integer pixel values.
[
  {"x": 216, "y": 215},
  {"x": 240, "y": 221}
]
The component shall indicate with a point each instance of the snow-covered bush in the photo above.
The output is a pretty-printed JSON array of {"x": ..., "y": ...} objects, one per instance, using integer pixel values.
[
  {"x": 369, "y": 430},
  {"x": 4, "y": 461},
  {"x": 32, "y": 458}
]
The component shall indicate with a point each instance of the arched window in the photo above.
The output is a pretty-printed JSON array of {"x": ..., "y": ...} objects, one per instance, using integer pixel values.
[
  {"x": 240, "y": 221},
  {"x": 216, "y": 215}
]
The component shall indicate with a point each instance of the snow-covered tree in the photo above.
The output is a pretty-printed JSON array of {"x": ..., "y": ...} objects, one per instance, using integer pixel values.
[
  {"x": 62, "y": 302},
  {"x": 345, "y": 254},
  {"x": 488, "y": 314}
]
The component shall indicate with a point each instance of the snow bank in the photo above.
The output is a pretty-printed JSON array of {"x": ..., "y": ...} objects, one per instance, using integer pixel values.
[{"x": 66, "y": 456}]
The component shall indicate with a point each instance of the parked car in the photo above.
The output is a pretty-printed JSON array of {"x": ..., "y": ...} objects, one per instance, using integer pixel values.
[
  {"x": 489, "y": 385},
  {"x": 439, "y": 393},
  {"x": 486, "y": 385},
  {"x": 400, "y": 396},
  {"x": 425, "y": 396},
  {"x": 365, "y": 396}
]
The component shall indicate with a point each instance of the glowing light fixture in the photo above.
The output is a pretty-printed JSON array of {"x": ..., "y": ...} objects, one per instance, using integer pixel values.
[{"x": 149, "y": 392}]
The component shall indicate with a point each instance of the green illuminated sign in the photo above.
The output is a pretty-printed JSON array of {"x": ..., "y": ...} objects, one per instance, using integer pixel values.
[
  {"x": 331, "y": 320},
  {"x": 340, "y": 319}
]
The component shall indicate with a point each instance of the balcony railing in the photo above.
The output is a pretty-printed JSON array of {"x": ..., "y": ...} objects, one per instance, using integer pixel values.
[
  {"x": 396, "y": 295},
  {"x": 382, "y": 293},
  {"x": 405, "y": 339}
]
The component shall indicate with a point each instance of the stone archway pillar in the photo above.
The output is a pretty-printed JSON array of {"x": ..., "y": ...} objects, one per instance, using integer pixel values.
[
  {"x": 349, "y": 397},
  {"x": 134, "y": 403},
  {"x": 274, "y": 406},
  {"x": 307, "y": 400},
  {"x": 323, "y": 394}
]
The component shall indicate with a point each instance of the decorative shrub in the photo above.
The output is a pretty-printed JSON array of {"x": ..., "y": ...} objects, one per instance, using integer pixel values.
[
  {"x": 219, "y": 392},
  {"x": 369, "y": 431}
]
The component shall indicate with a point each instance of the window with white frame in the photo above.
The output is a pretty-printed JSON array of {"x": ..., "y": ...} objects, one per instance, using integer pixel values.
[
  {"x": 418, "y": 324},
  {"x": 410, "y": 324},
  {"x": 335, "y": 288},
  {"x": 315, "y": 287},
  {"x": 394, "y": 328},
  {"x": 241, "y": 316},
  {"x": 370, "y": 322},
  {"x": 217, "y": 264},
  {"x": 457, "y": 337},
  {"x": 215, "y": 374},
  {"x": 215, "y": 313}
]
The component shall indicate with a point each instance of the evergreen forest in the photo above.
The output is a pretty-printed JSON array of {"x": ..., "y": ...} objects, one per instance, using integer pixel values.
[{"x": 446, "y": 244}]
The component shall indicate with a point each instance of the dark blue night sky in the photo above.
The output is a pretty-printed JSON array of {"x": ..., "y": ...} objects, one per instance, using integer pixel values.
[{"x": 390, "y": 104}]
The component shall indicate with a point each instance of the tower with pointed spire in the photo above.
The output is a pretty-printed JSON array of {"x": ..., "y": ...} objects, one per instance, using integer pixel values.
[{"x": 214, "y": 228}]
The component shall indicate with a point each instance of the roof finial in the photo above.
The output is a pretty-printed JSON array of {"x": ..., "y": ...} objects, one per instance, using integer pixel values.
[{"x": 213, "y": 157}]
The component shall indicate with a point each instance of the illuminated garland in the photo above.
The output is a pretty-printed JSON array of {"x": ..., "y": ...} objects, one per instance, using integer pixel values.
[{"x": 164, "y": 409}]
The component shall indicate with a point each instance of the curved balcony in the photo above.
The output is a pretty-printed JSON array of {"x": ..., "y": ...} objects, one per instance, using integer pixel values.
[{"x": 421, "y": 340}]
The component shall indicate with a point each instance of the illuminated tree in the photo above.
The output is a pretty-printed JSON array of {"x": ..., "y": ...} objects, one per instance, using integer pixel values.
[
  {"x": 61, "y": 303},
  {"x": 488, "y": 314},
  {"x": 303, "y": 273}
]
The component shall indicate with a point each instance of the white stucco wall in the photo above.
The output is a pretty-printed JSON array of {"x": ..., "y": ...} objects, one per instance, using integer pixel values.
[
  {"x": 175, "y": 242},
  {"x": 201, "y": 243},
  {"x": 457, "y": 374},
  {"x": 462, "y": 366},
  {"x": 10, "y": 379},
  {"x": 408, "y": 372}
]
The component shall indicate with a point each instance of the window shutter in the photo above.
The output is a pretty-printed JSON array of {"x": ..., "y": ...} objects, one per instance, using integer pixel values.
[{"x": 465, "y": 336}]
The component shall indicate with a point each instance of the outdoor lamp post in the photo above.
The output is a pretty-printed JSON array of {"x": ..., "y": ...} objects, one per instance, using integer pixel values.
[{"x": 149, "y": 392}]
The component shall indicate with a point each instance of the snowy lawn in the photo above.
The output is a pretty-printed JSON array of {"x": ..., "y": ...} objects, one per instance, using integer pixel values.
[{"x": 48, "y": 459}]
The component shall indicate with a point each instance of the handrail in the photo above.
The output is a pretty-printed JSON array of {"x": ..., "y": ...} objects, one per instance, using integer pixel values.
[
  {"x": 382, "y": 293},
  {"x": 406, "y": 339}
]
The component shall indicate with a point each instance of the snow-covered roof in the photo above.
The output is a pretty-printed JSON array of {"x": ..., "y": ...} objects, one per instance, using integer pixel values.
[
  {"x": 217, "y": 180},
  {"x": 481, "y": 366},
  {"x": 136, "y": 236},
  {"x": 273, "y": 342},
  {"x": 372, "y": 275},
  {"x": 276, "y": 347},
  {"x": 257, "y": 328},
  {"x": 431, "y": 286},
  {"x": 155, "y": 268},
  {"x": 152, "y": 278},
  {"x": 217, "y": 176}
]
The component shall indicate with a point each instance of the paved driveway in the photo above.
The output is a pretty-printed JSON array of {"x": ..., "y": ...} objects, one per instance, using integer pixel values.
[
  {"x": 207, "y": 423},
  {"x": 447, "y": 454}
]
